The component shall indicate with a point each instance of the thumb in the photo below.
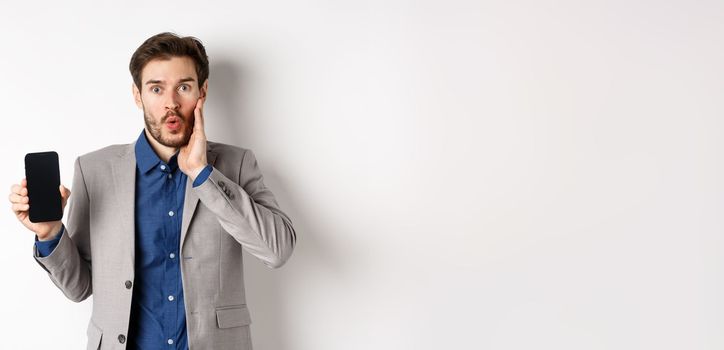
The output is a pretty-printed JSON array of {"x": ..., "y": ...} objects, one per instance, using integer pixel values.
[{"x": 64, "y": 193}]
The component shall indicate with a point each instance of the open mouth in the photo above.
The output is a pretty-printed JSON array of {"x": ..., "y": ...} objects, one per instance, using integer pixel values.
[{"x": 173, "y": 122}]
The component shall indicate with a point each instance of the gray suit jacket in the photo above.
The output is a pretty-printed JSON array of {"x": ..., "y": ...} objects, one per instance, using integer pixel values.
[{"x": 231, "y": 210}]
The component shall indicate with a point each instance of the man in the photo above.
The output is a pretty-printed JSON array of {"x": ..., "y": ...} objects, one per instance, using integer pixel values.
[{"x": 155, "y": 228}]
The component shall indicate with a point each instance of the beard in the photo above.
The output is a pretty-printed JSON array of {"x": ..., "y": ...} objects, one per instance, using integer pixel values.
[{"x": 174, "y": 139}]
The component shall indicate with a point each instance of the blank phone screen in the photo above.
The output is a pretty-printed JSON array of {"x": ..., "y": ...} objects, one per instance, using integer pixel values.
[{"x": 43, "y": 177}]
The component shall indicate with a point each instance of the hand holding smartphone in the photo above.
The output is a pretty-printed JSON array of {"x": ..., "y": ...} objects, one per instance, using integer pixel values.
[{"x": 42, "y": 183}]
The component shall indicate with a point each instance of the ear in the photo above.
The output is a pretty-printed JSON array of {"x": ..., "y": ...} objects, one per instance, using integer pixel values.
[
  {"x": 137, "y": 96},
  {"x": 204, "y": 89}
]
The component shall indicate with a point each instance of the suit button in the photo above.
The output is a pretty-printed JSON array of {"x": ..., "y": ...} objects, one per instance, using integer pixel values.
[
  {"x": 129, "y": 284},
  {"x": 121, "y": 338},
  {"x": 231, "y": 196},
  {"x": 222, "y": 184}
]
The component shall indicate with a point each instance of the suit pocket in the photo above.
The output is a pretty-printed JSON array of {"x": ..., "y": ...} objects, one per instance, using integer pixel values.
[
  {"x": 94, "y": 336},
  {"x": 232, "y": 316}
]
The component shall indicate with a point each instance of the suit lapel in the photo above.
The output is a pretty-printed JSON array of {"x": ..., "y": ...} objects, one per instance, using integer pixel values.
[
  {"x": 124, "y": 182},
  {"x": 191, "y": 199}
]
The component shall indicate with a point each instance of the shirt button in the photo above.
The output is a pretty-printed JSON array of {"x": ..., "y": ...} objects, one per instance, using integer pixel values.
[
  {"x": 170, "y": 213},
  {"x": 172, "y": 255},
  {"x": 170, "y": 298},
  {"x": 163, "y": 167},
  {"x": 129, "y": 284},
  {"x": 170, "y": 342},
  {"x": 121, "y": 338},
  {"x": 170, "y": 176}
]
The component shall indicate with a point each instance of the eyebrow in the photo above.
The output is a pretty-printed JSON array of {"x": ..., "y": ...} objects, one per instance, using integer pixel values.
[{"x": 184, "y": 80}]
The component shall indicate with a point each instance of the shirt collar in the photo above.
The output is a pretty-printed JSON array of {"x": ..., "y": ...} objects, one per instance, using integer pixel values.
[{"x": 146, "y": 157}]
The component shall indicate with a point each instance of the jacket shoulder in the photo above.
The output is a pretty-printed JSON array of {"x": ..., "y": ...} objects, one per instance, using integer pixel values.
[
  {"x": 106, "y": 154},
  {"x": 226, "y": 150}
]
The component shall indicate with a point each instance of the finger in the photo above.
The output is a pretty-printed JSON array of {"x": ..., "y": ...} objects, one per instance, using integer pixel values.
[
  {"x": 200, "y": 103},
  {"x": 21, "y": 191},
  {"x": 23, "y": 187},
  {"x": 64, "y": 192},
  {"x": 199, "y": 115},
  {"x": 16, "y": 198},
  {"x": 19, "y": 207}
]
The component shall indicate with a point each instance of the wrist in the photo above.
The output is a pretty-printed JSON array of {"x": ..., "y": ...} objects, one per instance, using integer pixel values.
[
  {"x": 51, "y": 233},
  {"x": 193, "y": 174}
]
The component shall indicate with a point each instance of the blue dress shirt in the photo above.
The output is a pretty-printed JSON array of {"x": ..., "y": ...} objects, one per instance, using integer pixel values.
[{"x": 158, "y": 317}]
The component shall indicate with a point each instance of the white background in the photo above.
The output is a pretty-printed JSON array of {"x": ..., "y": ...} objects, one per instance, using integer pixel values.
[{"x": 461, "y": 174}]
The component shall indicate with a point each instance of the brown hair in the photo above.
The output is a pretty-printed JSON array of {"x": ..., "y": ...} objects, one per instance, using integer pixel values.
[{"x": 166, "y": 45}]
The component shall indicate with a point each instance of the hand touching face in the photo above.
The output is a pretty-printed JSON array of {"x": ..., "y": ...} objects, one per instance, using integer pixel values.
[{"x": 192, "y": 156}]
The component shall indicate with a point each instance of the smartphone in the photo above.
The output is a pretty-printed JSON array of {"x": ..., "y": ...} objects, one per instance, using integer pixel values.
[{"x": 43, "y": 177}]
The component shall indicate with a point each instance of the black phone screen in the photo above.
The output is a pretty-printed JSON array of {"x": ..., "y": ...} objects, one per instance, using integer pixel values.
[{"x": 43, "y": 176}]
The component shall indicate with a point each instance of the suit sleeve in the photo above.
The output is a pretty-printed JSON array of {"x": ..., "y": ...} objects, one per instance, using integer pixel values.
[
  {"x": 68, "y": 265},
  {"x": 45, "y": 248},
  {"x": 248, "y": 211}
]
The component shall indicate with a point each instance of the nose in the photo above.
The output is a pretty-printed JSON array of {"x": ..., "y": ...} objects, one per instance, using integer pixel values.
[{"x": 172, "y": 102}]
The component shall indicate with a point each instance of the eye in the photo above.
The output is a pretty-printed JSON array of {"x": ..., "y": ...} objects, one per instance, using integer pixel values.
[
  {"x": 155, "y": 89},
  {"x": 184, "y": 87}
]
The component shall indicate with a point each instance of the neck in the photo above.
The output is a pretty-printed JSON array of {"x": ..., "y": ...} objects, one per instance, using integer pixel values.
[{"x": 163, "y": 152}]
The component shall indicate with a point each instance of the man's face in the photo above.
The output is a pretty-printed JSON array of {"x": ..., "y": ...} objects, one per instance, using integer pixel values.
[{"x": 168, "y": 95}]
